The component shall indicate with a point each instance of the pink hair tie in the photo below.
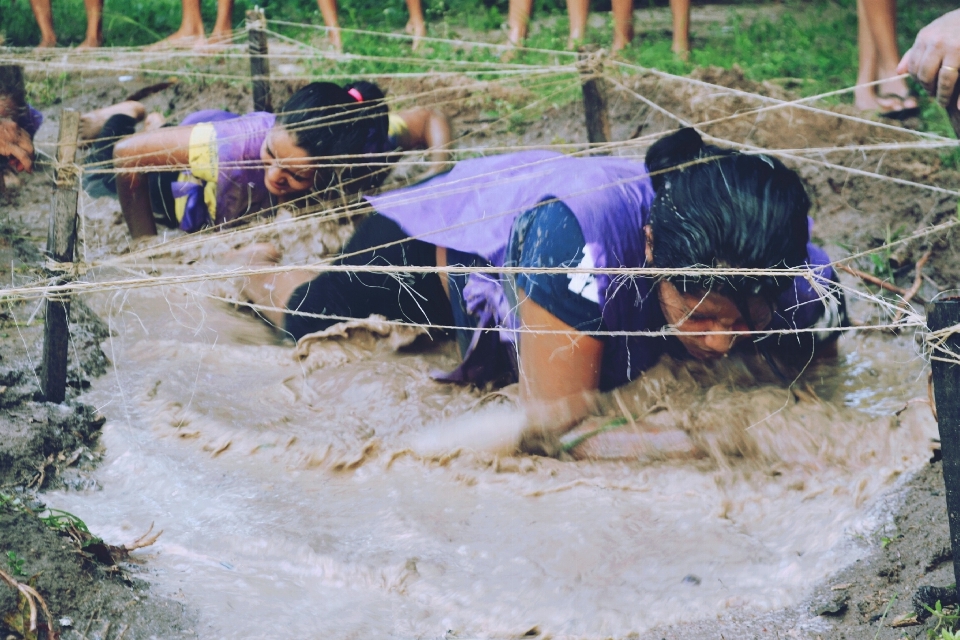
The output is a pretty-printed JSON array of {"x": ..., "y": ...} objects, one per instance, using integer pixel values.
[{"x": 356, "y": 94}]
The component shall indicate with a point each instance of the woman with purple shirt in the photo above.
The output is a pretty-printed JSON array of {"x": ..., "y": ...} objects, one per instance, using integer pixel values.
[
  {"x": 689, "y": 205},
  {"x": 217, "y": 166}
]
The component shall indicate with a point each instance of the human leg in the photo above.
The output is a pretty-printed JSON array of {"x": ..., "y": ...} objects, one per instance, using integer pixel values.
[
  {"x": 622, "y": 23},
  {"x": 517, "y": 19},
  {"x": 865, "y": 98},
  {"x": 94, "y": 24},
  {"x": 43, "y": 13},
  {"x": 92, "y": 122},
  {"x": 223, "y": 27},
  {"x": 577, "y": 10},
  {"x": 99, "y": 180},
  {"x": 328, "y": 9},
  {"x": 191, "y": 31},
  {"x": 680, "y": 9},
  {"x": 409, "y": 297},
  {"x": 893, "y": 95},
  {"x": 415, "y": 25}
]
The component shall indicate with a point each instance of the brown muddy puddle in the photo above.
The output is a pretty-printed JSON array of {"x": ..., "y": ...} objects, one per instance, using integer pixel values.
[{"x": 286, "y": 512}]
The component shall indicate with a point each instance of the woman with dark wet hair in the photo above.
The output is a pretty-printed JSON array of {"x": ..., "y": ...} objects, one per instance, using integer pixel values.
[
  {"x": 690, "y": 205},
  {"x": 326, "y": 137}
]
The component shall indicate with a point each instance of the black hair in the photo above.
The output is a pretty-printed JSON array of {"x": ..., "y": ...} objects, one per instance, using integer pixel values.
[
  {"x": 325, "y": 119},
  {"x": 720, "y": 208}
]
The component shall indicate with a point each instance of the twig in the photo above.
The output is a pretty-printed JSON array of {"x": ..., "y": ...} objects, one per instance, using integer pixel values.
[
  {"x": 883, "y": 284},
  {"x": 33, "y": 598},
  {"x": 143, "y": 541},
  {"x": 917, "y": 281}
]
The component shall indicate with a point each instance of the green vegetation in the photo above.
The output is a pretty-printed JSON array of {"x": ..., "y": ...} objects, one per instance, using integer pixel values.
[
  {"x": 810, "y": 48},
  {"x": 945, "y": 623},
  {"x": 15, "y": 563}
]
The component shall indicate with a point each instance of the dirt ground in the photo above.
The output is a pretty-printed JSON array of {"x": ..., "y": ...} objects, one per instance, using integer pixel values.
[{"x": 43, "y": 445}]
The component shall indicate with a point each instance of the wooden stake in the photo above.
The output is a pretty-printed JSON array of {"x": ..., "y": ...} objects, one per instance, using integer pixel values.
[
  {"x": 259, "y": 63},
  {"x": 946, "y": 388},
  {"x": 594, "y": 96},
  {"x": 60, "y": 244}
]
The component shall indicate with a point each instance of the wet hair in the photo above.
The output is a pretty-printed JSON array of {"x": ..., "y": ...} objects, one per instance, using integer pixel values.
[
  {"x": 325, "y": 119},
  {"x": 720, "y": 208}
]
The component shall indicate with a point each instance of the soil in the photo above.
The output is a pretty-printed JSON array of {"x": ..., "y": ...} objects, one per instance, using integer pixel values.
[
  {"x": 45, "y": 445},
  {"x": 851, "y": 212}
]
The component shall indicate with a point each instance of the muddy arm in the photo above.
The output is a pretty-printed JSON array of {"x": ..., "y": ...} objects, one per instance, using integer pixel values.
[
  {"x": 559, "y": 375},
  {"x": 164, "y": 149}
]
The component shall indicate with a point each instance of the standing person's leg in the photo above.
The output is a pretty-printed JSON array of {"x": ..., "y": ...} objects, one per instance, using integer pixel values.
[
  {"x": 865, "y": 98},
  {"x": 680, "y": 9},
  {"x": 517, "y": 19},
  {"x": 893, "y": 95},
  {"x": 44, "y": 16},
  {"x": 328, "y": 9},
  {"x": 622, "y": 23},
  {"x": 415, "y": 25},
  {"x": 94, "y": 24},
  {"x": 191, "y": 31},
  {"x": 223, "y": 27},
  {"x": 577, "y": 11}
]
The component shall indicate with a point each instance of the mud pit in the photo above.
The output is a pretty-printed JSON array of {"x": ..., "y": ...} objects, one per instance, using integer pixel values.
[{"x": 290, "y": 500}]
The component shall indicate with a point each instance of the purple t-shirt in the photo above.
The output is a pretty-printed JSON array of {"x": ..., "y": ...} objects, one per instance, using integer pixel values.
[
  {"x": 30, "y": 121},
  {"x": 473, "y": 208},
  {"x": 239, "y": 187}
]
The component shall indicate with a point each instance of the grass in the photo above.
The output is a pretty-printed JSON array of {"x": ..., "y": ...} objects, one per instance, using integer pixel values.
[{"x": 811, "y": 48}]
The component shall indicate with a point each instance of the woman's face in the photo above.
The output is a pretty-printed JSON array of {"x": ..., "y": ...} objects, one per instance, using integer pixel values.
[
  {"x": 288, "y": 169},
  {"x": 709, "y": 313}
]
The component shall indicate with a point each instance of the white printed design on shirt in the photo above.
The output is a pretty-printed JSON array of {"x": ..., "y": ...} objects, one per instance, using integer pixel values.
[{"x": 585, "y": 284}]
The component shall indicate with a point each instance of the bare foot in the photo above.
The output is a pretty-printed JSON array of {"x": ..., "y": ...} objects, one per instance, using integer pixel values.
[
  {"x": 621, "y": 40},
  {"x": 181, "y": 39},
  {"x": 220, "y": 37},
  {"x": 91, "y": 43},
  {"x": 47, "y": 44},
  {"x": 894, "y": 95},
  {"x": 91, "y": 123},
  {"x": 335, "y": 41},
  {"x": 154, "y": 121},
  {"x": 417, "y": 30}
]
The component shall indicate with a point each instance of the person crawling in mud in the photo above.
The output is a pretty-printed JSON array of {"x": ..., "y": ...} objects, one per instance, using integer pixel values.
[
  {"x": 217, "y": 166},
  {"x": 567, "y": 334}
]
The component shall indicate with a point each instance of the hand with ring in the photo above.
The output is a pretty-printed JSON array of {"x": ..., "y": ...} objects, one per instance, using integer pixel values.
[{"x": 934, "y": 59}]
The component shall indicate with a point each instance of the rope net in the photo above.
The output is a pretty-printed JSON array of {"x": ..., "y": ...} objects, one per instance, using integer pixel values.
[{"x": 493, "y": 99}]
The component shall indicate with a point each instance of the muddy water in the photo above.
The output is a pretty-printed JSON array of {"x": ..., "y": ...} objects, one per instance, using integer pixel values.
[{"x": 291, "y": 507}]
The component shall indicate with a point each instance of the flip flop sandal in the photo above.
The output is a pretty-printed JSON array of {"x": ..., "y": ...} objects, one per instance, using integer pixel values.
[{"x": 899, "y": 114}]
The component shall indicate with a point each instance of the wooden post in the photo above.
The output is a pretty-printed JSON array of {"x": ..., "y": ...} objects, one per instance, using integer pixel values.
[
  {"x": 594, "y": 96},
  {"x": 941, "y": 314},
  {"x": 60, "y": 243},
  {"x": 11, "y": 92},
  {"x": 259, "y": 63}
]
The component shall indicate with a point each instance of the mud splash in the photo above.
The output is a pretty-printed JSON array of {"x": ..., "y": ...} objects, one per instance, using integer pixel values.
[{"x": 288, "y": 500}]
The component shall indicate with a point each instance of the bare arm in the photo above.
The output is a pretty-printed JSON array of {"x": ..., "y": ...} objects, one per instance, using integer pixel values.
[
  {"x": 427, "y": 129},
  {"x": 164, "y": 148},
  {"x": 559, "y": 372}
]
